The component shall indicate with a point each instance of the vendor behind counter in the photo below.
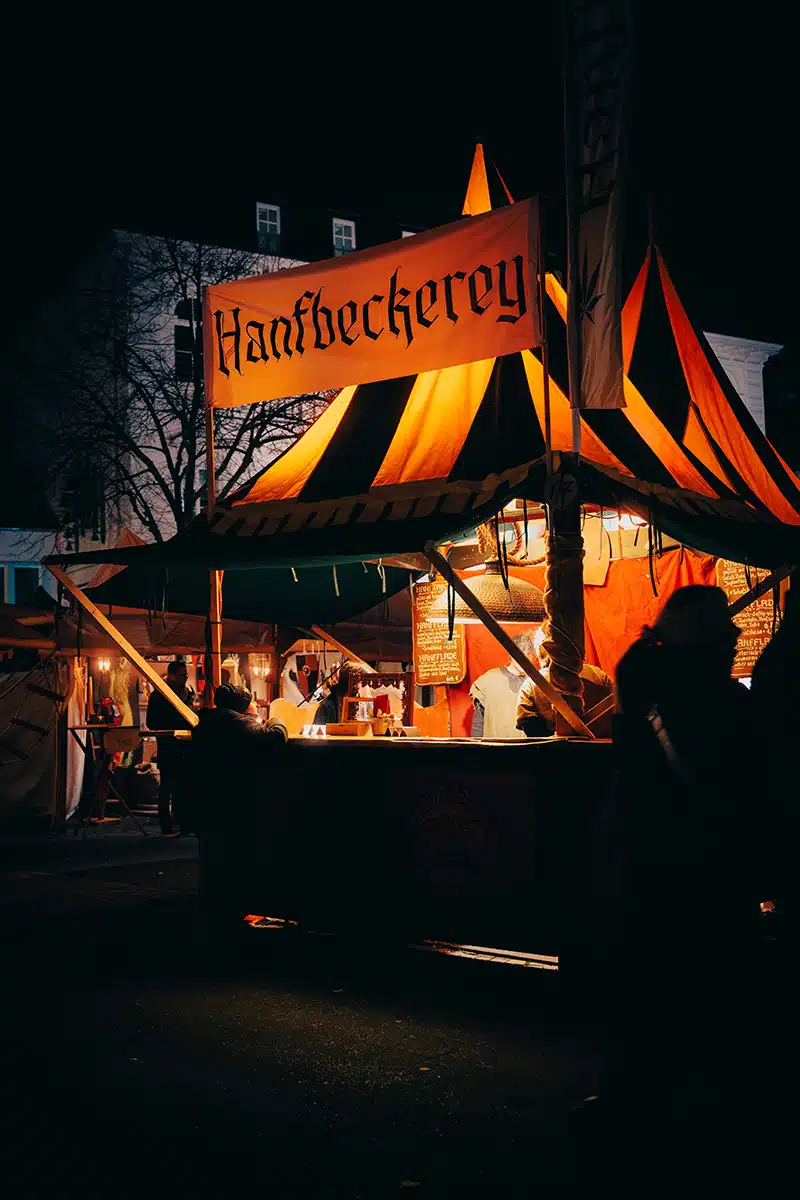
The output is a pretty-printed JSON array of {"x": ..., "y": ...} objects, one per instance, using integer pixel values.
[
  {"x": 535, "y": 715},
  {"x": 342, "y": 682}
]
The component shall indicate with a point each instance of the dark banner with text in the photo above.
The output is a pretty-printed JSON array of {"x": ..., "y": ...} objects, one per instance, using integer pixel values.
[
  {"x": 596, "y": 85},
  {"x": 457, "y": 294}
]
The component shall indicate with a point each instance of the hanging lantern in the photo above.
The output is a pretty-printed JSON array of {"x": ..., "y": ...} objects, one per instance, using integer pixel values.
[
  {"x": 260, "y": 665},
  {"x": 518, "y": 604}
]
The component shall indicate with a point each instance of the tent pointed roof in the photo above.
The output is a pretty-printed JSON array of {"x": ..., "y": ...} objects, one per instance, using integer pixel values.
[{"x": 391, "y": 465}]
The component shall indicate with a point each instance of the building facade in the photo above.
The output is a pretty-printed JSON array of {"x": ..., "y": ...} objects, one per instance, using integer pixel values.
[
  {"x": 743, "y": 361},
  {"x": 118, "y": 379}
]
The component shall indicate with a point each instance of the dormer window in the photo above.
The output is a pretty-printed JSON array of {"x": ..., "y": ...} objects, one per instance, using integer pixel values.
[
  {"x": 344, "y": 236},
  {"x": 268, "y": 228},
  {"x": 187, "y": 338}
]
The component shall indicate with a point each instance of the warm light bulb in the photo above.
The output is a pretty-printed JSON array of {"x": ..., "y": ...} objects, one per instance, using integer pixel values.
[{"x": 623, "y": 521}]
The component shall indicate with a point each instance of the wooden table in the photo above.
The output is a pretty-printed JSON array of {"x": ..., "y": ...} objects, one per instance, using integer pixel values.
[{"x": 98, "y": 754}]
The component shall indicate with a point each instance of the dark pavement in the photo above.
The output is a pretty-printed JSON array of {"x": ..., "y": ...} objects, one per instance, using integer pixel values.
[{"x": 132, "y": 1059}]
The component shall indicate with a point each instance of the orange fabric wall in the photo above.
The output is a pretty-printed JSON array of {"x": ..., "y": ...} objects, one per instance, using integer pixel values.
[{"x": 615, "y": 614}]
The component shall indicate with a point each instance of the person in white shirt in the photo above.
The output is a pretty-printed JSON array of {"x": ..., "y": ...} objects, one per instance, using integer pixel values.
[{"x": 495, "y": 694}]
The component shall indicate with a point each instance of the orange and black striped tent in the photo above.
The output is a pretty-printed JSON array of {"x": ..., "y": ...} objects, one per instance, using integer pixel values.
[
  {"x": 392, "y": 465},
  {"x": 440, "y": 451},
  {"x": 447, "y": 447}
]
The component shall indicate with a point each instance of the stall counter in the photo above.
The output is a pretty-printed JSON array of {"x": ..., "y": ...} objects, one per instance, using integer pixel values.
[{"x": 407, "y": 840}]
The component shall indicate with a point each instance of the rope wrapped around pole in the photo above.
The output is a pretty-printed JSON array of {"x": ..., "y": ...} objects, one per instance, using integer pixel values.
[
  {"x": 559, "y": 702},
  {"x": 563, "y": 602},
  {"x": 563, "y": 584}
]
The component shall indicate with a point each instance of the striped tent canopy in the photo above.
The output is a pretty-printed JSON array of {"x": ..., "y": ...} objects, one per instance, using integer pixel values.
[{"x": 389, "y": 466}]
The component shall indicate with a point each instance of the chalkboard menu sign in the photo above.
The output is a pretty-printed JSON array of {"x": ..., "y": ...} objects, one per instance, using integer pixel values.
[
  {"x": 755, "y": 621},
  {"x": 437, "y": 660}
]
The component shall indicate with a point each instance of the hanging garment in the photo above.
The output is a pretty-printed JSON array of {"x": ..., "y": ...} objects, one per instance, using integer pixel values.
[{"x": 496, "y": 692}]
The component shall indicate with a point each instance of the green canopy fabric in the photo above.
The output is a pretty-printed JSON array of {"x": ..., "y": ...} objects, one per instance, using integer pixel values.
[
  {"x": 304, "y": 597},
  {"x": 277, "y": 536}
]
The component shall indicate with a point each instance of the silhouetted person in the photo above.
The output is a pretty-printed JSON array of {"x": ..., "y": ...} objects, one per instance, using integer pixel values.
[
  {"x": 332, "y": 691},
  {"x": 776, "y": 694},
  {"x": 342, "y": 682},
  {"x": 229, "y": 760},
  {"x": 233, "y": 753},
  {"x": 776, "y": 677},
  {"x": 693, "y": 858},
  {"x": 171, "y": 751}
]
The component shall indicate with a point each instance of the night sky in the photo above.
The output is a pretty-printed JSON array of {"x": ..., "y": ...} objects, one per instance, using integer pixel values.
[{"x": 176, "y": 130}]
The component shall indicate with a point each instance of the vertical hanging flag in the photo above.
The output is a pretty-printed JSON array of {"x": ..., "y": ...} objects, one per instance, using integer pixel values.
[{"x": 595, "y": 83}]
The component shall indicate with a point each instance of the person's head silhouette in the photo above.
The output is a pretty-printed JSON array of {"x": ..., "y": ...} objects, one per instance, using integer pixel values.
[
  {"x": 695, "y": 620},
  {"x": 236, "y": 698}
]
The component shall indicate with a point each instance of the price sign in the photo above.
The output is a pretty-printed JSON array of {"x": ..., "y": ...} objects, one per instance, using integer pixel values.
[
  {"x": 755, "y": 621},
  {"x": 437, "y": 659}
]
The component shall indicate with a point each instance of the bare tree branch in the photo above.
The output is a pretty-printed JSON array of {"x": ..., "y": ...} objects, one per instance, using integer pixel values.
[{"x": 120, "y": 394}]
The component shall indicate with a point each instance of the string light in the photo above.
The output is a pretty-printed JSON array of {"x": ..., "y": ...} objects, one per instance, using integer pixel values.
[{"x": 624, "y": 521}]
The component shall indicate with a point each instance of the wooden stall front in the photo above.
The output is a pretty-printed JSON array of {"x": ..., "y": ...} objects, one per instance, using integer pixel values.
[{"x": 411, "y": 840}]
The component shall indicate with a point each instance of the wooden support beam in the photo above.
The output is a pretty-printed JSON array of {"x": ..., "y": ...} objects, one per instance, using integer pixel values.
[
  {"x": 759, "y": 590},
  {"x": 471, "y": 600},
  {"x": 214, "y": 577},
  {"x": 332, "y": 641},
  {"x": 124, "y": 645},
  {"x": 13, "y": 643},
  {"x": 215, "y": 618},
  {"x": 48, "y": 693},
  {"x": 34, "y": 728},
  {"x": 600, "y": 709}
]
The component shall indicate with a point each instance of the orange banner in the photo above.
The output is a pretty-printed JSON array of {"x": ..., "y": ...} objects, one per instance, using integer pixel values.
[{"x": 457, "y": 294}]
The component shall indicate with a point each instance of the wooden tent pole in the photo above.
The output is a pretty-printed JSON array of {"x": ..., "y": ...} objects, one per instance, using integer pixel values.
[
  {"x": 563, "y": 590},
  {"x": 573, "y": 249},
  {"x": 337, "y": 645},
  {"x": 29, "y": 643},
  {"x": 471, "y": 600},
  {"x": 125, "y": 647},
  {"x": 600, "y": 709},
  {"x": 214, "y": 577},
  {"x": 548, "y": 434}
]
